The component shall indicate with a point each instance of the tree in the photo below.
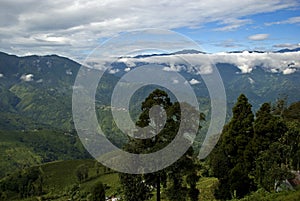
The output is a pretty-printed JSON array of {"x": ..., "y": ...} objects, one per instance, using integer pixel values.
[
  {"x": 97, "y": 167},
  {"x": 24, "y": 183},
  {"x": 269, "y": 151},
  {"x": 134, "y": 187},
  {"x": 292, "y": 140},
  {"x": 98, "y": 192},
  {"x": 269, "y": 167},
  {"x": 82, "y": 172},
  {"x": 292, "y": 113},
  {"x": 139, "y": 186},
  {"x": 268, "y": 128},
  {"x": 229, "y": 160}
]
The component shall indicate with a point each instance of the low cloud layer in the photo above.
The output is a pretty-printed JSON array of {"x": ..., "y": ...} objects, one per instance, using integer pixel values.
[{"x": 285, "y": 63}]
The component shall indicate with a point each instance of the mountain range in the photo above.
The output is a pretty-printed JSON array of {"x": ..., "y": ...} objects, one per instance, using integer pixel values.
[
  {"x": 36, "y": 123},
  {"x": 38, "y": 89}
]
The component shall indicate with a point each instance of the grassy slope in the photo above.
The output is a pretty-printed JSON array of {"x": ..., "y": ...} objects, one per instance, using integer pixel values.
[
  {"x": 61, "y": 175},
  {"x": 60, "y": 178},
  {"x": 22, "y": 149},
  {"x": 14, "y": 154}
]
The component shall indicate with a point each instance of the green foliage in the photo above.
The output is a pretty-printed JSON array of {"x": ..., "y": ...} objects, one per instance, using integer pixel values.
[
  {"x": 228, "y": 159},
  {"x": 58, "y": 181},
  {"x": 134, "y": 187},
  {"x": 82, "y": 173},
  {"x": 22, "y": 149},
  {"x": 270, "y": 167},
  {"x": 292, "y": 112},
  {"x": 25, "y": 183},
  {"x": 267, "y": 127},
  {"x": 173, "y": 177},
  {"x": 269, "y": 150},
  {"x": 262, "y": 195},
  {"x": 98, "y": 192},
  {"x": 269, "y": 156},
  {"x": 291, "y": 140}
]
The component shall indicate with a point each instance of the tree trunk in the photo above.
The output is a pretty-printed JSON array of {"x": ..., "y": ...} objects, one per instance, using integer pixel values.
[{"x": 158, "y": 188}]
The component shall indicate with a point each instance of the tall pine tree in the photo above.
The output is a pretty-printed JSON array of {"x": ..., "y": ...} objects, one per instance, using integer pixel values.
[
  {"x": 269, "y": 150},
  {"x": 228, "y": 160}
]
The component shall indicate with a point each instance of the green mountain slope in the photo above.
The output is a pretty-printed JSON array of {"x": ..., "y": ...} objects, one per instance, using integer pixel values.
[
  {"x": 59, "y": 181},
  {"x": 21, "y": 149}
]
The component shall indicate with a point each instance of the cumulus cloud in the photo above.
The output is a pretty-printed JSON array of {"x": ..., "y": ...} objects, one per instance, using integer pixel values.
[
  {"x": 1, "y": 75},
  {"x": 27, "y": 77},
  {"x": 194, "y": 81},
  {"x": 259, "y": 37},
  {"x": 68, "y": 27}
]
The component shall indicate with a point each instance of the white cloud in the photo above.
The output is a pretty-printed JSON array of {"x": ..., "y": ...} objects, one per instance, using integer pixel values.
[
  {"x": 287, "y": 45},
  {"x": 251, "y": 80},
  {"x": 175, "y": 81},
  {"x": 233, "y": 24},
  {"x": 259, "y": 37},
  {"x": 246, "y": 62},
  {"x": 127, "y": 69},
  {"x": 69, "y": 72},
  {"x": 288, "y": 71},
  {"x": 1, "y": 75},
  {"x": 113, "y": 71},
  {"x": 68, "y": 27},
  {"x": 127, "y": 62},
  {"x": 27, "y": 77},
  {"x": 201, "y": 63},
  {"x": 292, "y": 20},
  {"x": 194, "y": 81},
  {"x": 39, "y": 81}
]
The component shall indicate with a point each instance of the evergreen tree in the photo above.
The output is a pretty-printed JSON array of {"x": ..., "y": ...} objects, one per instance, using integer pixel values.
[
  {"x": 267, "y": 128},
  {"x": 292, "y": 141},
  {"x": 270, "y": 168},
  {"x": 268, "y": 150},
  {"x": 229, "y": 160},
  {"x": 138, "y": 186}
]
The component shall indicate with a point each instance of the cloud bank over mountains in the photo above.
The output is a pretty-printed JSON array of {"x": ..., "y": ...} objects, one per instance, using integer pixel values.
[{"x": 285, "y": 63}]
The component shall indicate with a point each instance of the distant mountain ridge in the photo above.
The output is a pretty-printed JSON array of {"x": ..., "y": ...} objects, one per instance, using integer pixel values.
[
  {"x": 192, "y": 51},
  {"x": 38, "y": 89}
]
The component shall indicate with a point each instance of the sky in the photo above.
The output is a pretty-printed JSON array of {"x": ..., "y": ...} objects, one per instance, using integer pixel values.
[{"x": 73, "y": 28}]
